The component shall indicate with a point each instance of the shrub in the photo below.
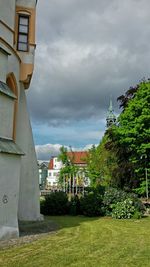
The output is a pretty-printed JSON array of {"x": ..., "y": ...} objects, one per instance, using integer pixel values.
[
  {"x": 91, "y": 205},
  {"x": 113, "y": 196},
  {"x": 125, "y": 210},
  {"x": 139, "y": 206},
  {"x": 74, "y": 206},
  {"x": 137, "y": 215},
  {"x": 99, "y": 189},
  {"x": 55, "y": 204}
]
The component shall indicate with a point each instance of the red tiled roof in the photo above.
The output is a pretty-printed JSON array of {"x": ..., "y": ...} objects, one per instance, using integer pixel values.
[
  {"x": 51, "y": 165},
  {"x": 78, "y": 157}
]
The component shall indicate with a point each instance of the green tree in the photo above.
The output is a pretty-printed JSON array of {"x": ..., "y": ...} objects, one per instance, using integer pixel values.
[
  {"x": 93, "y": 170},
  {"x": 101, "y": 164},
  {"x": 130, "y": 139},
  {"x": 63, "y": 156},
  {"x": 68, "y": 166}
]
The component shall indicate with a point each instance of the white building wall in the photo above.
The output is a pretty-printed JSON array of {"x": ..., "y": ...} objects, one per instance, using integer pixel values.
[
  {"x": 26, "y": 3},
  {"x": 6, "y": 34},
  {"x": 9, "y": 163},
  {"x": 53, "y": 175},
  {"x": 18, "y": 175},
  {"x": 3, "y": 66},
  {"x": 14, "y": 66},
  {"x": 57, "y": 164},
  {"x": 9, "y": 188},
  {"x": 29, "y": 205},
  {"x": 40, "y": 176},
  {"x": 7, "y": 112},
  {"x": 7, "y": 11}
]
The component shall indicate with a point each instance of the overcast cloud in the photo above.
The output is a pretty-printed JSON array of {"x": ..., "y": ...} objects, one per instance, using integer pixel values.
[
  {"x": 86, "y": 51},
  {"x": 45, "y": 152}
]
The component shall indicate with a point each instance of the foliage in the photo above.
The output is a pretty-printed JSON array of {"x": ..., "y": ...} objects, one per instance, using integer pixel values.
[
  {"x": 141, "y": 189},
  {"x": 63, "y": 156},
  {"x": 130, "y": 139},
  {"x": 139, "y": 206},
  {"x": 137, "y": 215},
  {"x": 98, "y": 189},
  {"x": 93, "y": 169},
  {"x": 100, "y": 164},
  {"x": 125, "y": 210},
  {"x": 69, "y": 168},
  {"x": 55, "y": 204},
  {"x": 113, "y": 196},
  {"x": 130, "y": 94},
  {"x": 97, "y": 201},
  {"x": 91, "y": 205},
  {"x": 74, "y": 206}
]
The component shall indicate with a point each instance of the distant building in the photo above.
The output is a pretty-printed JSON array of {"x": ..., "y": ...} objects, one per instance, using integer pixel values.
[
  {"x": 77, "y": 158},
  {"x": 111, "y": 118},
  {"x": 54, "y": 168},
  {"x": 43, "y": 173}
]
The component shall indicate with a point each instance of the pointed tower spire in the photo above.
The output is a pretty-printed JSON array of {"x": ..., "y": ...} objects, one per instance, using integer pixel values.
[
  {"x": 111, "y": 118},
  {"x": 110, "y": 106}
]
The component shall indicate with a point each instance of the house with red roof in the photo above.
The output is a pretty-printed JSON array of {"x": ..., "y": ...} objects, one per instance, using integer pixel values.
[{"x": 77, "y": 158}]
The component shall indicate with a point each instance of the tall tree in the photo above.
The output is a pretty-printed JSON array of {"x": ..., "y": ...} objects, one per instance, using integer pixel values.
[
  {"x": 101, "y": 164},
  {"x": 68, "y": 166},
  {"x": 131, "y": 138}
]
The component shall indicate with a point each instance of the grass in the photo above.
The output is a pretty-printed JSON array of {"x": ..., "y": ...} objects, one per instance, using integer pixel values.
[
  {"x": 88, "y": 242},
  {"x": 31, "y": 228}
]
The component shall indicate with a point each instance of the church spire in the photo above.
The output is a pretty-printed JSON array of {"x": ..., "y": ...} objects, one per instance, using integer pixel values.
[{"x": 111, "y": 118}]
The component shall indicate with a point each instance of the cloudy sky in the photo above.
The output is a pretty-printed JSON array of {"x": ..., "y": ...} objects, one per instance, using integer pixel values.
[{"x": 86, "y": 52}]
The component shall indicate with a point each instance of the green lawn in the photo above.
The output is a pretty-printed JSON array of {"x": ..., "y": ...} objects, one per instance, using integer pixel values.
[{"x": 87, "y": 242}]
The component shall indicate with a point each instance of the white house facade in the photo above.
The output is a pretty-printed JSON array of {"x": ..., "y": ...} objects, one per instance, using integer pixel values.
[
  {"x": 54, "y": 168},
  {"x": 78, "y": 159}
]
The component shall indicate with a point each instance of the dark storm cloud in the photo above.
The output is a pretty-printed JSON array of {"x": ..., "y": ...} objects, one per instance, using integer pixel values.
[{"x": 86, "y": 51}]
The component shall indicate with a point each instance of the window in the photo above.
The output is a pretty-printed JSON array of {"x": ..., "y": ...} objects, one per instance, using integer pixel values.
[
  {"x": 23, "y": 33},
  {"x": 12, "y": 84}
]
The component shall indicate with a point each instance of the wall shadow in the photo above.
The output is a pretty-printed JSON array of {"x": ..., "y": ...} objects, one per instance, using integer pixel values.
[{"x": 52, "y": 224}]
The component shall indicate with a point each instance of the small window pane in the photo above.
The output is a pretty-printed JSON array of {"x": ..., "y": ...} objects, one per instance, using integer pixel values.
[
  {"x": 22, "y": 47},
  {"x": 23, "y": 33},
  {"x": 23, "y": 38},
  {"x": 23, "y": 21},
  {"x": 23, "y": 29}
]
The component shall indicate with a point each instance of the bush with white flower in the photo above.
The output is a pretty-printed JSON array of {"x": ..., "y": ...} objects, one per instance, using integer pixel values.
[{"x": 125, "y": 210}]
